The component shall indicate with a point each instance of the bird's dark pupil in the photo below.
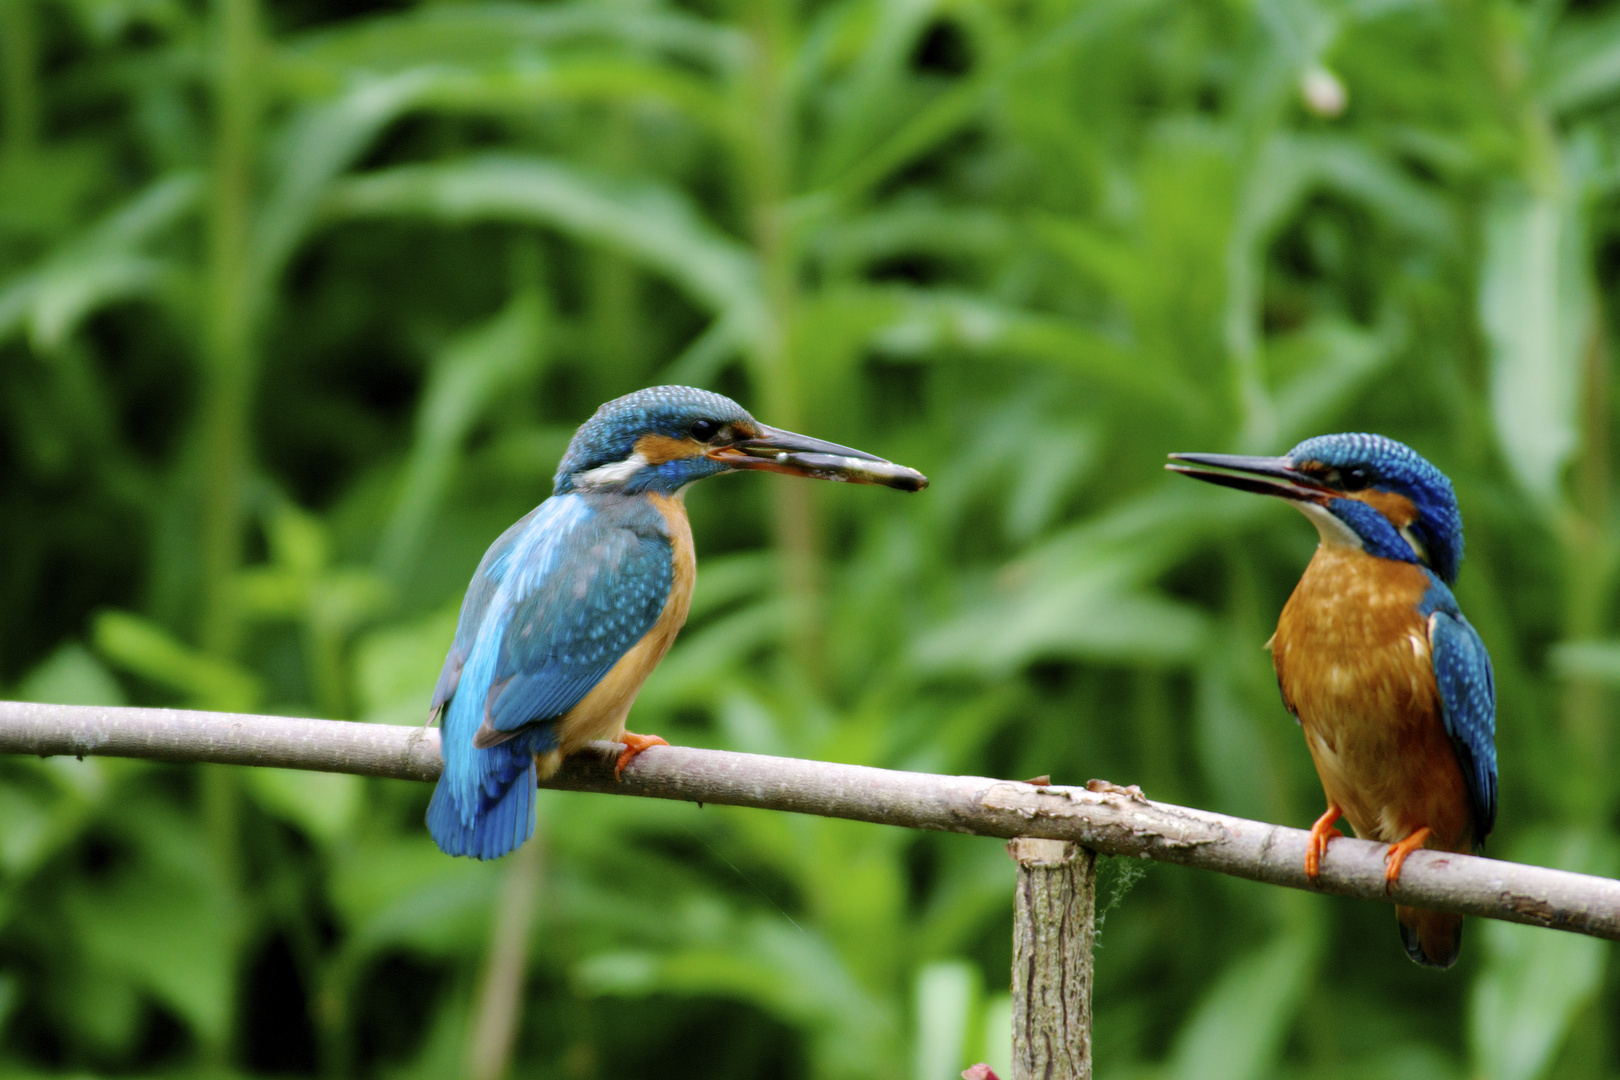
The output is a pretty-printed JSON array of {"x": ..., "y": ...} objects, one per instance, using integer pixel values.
[
  {"x": 1356, "y": 478},
  {"x": 704, "y": 430}
]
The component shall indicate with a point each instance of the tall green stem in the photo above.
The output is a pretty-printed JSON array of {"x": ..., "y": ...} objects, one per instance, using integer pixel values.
[
  {"x": 221, "y": 795},
  {"x": 228, "y": 342},
  {"x": 19, "y": 57},
  {"x": 228, "y": 370},
  {"x": 1587, "y": 562},
  {"x": 770, "y": 171},
  {"x": 613, "y": 281}
]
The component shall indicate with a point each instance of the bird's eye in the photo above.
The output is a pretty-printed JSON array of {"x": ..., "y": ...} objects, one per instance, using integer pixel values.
[
  {"x": 1356, "y": 477},
  {"x": 704, "y": 430}
]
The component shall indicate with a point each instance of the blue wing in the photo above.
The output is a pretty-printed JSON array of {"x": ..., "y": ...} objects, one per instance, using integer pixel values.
[
  {"x": 556, "y": 602},
  {"x": 1462, "y": 669},
  {"x": 597, "y": 600},
  {"x": 480, "y": 591}
]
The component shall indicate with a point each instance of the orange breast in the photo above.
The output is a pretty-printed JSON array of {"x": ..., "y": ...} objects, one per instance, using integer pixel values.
[{"x": 1353, "y": 660}]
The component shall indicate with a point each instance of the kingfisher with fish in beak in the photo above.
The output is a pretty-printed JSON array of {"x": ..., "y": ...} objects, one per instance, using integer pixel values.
[{"x": 573, "y": 606}]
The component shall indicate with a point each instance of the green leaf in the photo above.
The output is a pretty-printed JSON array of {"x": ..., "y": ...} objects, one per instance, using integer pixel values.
[
  {"x": 1581, "y": 64},
  {"x": 473, "y": 372},
  {"x": 472, "y": 33},
  {"x": 998, "y": 1034},
  {"x": 403, "y": 891},
  {"x": 320, "y": 142},
  {"x": 933, "y": 324},
  {"x": 31, "y": 821},
  {"x": 529, "y": 86},
  {"x": 169, "y": 929},
  {"x": 1092, "y": 614},
  {"x": 397, "y": 666},
  {"x": 1535, "y": 303},
  {"x": 767, "y": 962},
  {"x": 944, "y": 993},
  {"x": 71, "y": 676},
  {"x": 105, "y": 265},
  {"x": 143, "y": 648},
  {"x": 862, "y": 109},
  {"x": 104, "y": 1005},
  {"x": 1082, "y": 593},
  {"x": 1237, "y": 1030},
  {"x": 323, "y": 805},
  {"x": 1288, "y": 168},
  {"x": 1334, "y": 359},
  {"x": 1587, "y": 660},
  {"x": 1536, "y": 981},
  {"x": 647, "y": 222}
]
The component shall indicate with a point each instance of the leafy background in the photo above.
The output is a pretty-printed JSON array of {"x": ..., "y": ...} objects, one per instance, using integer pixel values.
[{"x": 299, "y": 304}]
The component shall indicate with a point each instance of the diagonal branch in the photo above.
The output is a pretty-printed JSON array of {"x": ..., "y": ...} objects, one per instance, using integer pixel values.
[{"x": 1111, "y": 822}]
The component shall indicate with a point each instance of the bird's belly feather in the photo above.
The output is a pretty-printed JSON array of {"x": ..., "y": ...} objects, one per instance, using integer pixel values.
[
  {"x": 1353, "y": 661},
  {"x": 601, "y": 713}
]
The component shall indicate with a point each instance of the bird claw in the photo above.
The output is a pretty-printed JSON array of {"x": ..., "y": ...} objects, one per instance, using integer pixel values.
[
  {"x": 1322, "y": 832},
  {"x": 1395, "y": 858},
  {"x": 633, "y": 745}
]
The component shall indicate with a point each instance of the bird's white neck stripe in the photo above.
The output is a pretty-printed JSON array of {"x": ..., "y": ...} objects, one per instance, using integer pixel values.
[
  {"x": 1334, "y": 533},
  {"x": 1410, "y": 536},
  {"x": 611, "y": 475}
]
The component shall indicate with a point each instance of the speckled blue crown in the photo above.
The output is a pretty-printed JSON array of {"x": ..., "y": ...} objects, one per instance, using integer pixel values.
[
  {"x": 610, "y": 435},
  {"x": 1397, "y": 467}
]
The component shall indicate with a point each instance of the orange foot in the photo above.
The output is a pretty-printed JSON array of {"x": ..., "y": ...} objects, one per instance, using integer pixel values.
[
  {"x": 1398, "y": 853},
  {"x": 1321, "y": 833},
  {"x": 633, "y": 745}
]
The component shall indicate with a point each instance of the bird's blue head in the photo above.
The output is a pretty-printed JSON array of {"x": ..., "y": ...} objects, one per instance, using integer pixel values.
[
  {"x": 1365, "y": 490},
  {"x": 663, "y": 438}
]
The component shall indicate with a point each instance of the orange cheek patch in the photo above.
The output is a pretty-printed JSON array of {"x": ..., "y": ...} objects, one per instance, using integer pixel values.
[
  {"x": 658, "y": 449},
  {"x": 1397, "y": 508}
]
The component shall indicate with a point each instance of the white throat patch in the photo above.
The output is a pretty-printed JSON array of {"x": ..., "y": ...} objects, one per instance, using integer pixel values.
[
  {"x": 1334, "y": 533},
  {"x": 1415, "y": 544},
  {"x": 611, "y": 475}
]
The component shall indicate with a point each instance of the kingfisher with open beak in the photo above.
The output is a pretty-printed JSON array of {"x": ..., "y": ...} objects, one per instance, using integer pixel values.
[
  {"x": 572, "y": 607},
  {"x": 1391, "y": 685}
]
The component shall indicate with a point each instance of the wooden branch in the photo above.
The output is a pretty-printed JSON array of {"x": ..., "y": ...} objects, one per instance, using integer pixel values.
[
  {"x": 1054, "y": 921},
  {"x": 1109, "y": 821}
]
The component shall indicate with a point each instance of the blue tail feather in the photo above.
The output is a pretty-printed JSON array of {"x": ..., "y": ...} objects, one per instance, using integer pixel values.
[
  {"x": 500, "y": 825},
  {"x": 484, "y": 804}
]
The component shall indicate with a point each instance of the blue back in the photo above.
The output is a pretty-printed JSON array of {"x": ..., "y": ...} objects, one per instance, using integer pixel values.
[
  {"x": 1462, "y": 670},
  {"x": 557, "y": 600}
]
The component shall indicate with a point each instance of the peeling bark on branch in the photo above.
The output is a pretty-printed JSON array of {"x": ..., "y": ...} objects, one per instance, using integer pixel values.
[{"x": 1106, "y": 821}]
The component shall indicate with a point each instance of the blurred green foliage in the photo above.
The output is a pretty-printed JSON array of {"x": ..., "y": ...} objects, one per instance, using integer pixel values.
[{"x": 299, "y": 304}]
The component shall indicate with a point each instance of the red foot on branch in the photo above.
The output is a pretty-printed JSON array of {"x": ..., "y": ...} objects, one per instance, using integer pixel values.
[
  {"x": 633, "y": 745},
  {"x": 981, "y": 1071},
  {"x": 1398, "y": 853},
  {"x": 1322, "y": 832}
]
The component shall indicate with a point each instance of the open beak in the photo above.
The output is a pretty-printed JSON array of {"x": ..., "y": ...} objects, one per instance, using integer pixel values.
[
  {"x": 799, "y": 455},
  {"x": 1261, "y": 475}
]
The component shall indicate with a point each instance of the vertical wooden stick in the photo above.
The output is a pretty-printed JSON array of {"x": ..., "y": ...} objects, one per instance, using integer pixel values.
[{"x": 1054, "y": 919}]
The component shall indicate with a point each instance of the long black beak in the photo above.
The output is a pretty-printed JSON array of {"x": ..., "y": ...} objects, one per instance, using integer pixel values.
[
  {"x": 774, "y": 450},
  {"x": 1261, "y": 475}
]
